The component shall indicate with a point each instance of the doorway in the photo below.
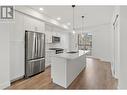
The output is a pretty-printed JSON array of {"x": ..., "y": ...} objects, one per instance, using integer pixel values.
[{"x": 85, "y": 42}]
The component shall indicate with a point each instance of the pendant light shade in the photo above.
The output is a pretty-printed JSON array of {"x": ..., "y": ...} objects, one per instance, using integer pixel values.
[{"x": 73, "y": 6}]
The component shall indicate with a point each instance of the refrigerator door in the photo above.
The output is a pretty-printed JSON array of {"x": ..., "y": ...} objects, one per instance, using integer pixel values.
[
  {"x": 41, "y": 45},
  {"x": 31, "y": 45},
  {"x": 34, "y": 67}
]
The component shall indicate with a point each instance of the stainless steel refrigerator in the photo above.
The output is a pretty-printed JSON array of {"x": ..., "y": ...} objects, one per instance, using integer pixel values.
[{"x": 34, "y": 53}]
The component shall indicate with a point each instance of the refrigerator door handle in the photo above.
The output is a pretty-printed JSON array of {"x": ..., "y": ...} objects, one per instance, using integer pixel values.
[
  {"x": 39, "y": 46},
  {"x": 37, "y": 60},
  {"x": 36, "y": 46},
  {"x": 42, "y": 46}
]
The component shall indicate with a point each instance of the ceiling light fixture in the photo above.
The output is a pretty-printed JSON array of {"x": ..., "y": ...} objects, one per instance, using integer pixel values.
[
  {"x": 41, "y": 9},
  {"x": 73, "y": 6},
  {"x": 58, "y": 18}
]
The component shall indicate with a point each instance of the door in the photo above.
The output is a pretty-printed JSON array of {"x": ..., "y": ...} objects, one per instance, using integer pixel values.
[
  {"x": 41, "y": 45},
  {"x": 116, "y": 48},
  {"x": 31, "y": 45}
]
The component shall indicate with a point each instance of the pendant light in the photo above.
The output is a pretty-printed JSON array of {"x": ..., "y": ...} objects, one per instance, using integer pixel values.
[
  {"x": 73, "y": 6},
  {"x": 82, "y": 26}
]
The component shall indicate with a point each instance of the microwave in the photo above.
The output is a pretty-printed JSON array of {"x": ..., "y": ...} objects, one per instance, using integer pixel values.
[{"x": 55, "y": 39}]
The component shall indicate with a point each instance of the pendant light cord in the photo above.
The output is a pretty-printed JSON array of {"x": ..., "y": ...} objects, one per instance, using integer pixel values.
[
  {"x": 82, "y": 24},
  {"x": 73, "y": 17}
]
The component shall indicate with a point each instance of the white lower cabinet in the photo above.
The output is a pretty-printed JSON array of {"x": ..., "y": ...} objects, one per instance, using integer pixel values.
[
  {"x": 17, "y": 60},
  {"x": 49, "y": 53}
]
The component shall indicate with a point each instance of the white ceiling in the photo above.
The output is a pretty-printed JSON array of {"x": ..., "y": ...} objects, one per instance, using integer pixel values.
[{"x": 94, "y": 15}]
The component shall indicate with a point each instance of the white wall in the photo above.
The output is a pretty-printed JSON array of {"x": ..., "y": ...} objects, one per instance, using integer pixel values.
[
  {"x": 5, "y": 28},
  {"x": 101, "y": 42},
  {"x": 123, "y": 48}
]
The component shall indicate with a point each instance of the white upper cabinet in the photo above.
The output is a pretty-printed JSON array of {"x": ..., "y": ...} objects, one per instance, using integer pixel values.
[
  {"x": 22, "y": 23},
  {"x": 49, "y": 33},
  {"x": 32, "y": 24},
  {"x": 18, "y": 29}
]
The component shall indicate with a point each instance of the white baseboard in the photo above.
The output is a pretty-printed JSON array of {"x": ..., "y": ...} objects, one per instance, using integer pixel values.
[
  {"x": 101, "y": 59},
  {"x": 118, "y": 87},
  {"x": 17, "y": 78},
  {"x": 113, "y": 74},
  {"x": 4, "y": 85}
]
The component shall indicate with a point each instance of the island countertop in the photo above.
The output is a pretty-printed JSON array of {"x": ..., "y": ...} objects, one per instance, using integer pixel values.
[{"x": 71, "y": 55}]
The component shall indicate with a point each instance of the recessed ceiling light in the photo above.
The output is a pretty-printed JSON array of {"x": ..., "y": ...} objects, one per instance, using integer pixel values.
[
  {"x": 65, "y": 26},
  {"x": 41, "y": 9},
  {"x": 68, "y": 23},
  {"x": 58, "y": 18},
  {"x": 73, "y": 31}
]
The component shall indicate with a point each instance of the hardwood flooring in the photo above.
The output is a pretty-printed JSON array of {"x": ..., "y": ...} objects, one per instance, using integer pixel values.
[{"x": 96, "y": 75}]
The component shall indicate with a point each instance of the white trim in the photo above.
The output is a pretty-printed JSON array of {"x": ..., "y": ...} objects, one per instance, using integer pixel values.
[
  {"x": 17, "y": 78},
  {"x": 118, "y": 86},
  {"x": 4, "y": 85},
  {"x": 112, "y": 70}
]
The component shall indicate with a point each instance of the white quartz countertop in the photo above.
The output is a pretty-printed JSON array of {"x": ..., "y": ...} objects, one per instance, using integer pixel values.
[{"x": 71, "y": 55}]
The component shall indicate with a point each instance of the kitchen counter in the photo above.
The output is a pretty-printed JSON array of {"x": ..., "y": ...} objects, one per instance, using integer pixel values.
[
  {"x": 66, "y": 67},
  {"x": 71, "y": 55}
]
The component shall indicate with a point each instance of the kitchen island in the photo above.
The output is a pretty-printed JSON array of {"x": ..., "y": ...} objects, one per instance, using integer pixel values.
[{"x": 66, "y": 67}]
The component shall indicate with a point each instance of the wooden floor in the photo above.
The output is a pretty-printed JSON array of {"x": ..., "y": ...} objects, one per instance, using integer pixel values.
[{"x": 96, "y": 75}]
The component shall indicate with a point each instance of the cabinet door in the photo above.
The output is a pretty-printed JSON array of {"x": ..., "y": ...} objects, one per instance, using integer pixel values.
[
  {"x": 28, "y": 23},
  {"x": 17, "y": 47},
  {"x": 18, "y": 28},
  {"x": 48, "y": 56},
  {"x": 32, "y": 24}
]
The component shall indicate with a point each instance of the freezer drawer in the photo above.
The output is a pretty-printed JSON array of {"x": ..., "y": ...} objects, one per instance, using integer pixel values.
[{"x": 34, "y": 67}]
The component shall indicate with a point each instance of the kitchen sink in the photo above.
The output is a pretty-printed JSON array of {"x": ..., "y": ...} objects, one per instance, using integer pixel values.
[{"x": 72, "y": 52}]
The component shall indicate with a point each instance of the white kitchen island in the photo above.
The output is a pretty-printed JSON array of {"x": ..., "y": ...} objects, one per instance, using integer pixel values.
[{"x": 66, "y": 67}]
